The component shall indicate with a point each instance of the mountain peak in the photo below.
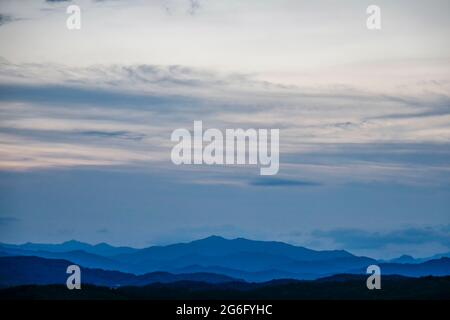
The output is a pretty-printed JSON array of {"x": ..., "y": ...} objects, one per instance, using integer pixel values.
[
  {"x": 73, "y": 242},
  {"x": 404, "y": 259},
  {"x": 212, "y": 238}
]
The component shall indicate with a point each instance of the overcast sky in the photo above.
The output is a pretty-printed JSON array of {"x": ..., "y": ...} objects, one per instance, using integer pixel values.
[{"x": 86, "y": 117}]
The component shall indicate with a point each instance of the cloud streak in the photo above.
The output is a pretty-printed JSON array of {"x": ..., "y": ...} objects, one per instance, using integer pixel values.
[
  {"x": 362, "y": 239},
  {"x": 4, "y": 19},
  {"x": 127, "y": 113},
  {"x": 280, "y": 182},
  {"x": 7, "y": 221}
]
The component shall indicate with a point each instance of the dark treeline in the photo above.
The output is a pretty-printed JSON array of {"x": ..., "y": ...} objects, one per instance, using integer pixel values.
[{"x": 392, "y": 288}]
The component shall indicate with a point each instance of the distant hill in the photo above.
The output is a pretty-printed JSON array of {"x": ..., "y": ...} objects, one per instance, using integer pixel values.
[
  {"x": 77, "y": 256},
  {"x": 437, "y": 256},
  {"x": 102, "y": 249},
  {"x": 437, "y": 267},
  {"x": 279, "y": 268},
  {"x": 409, "y": 259},
  {"x": 241, "y": 254},
  {"x": 250, "y": 260},
  {"x": 23, "y": 270},
  {"x": 255, "y": 276},
  {"x": 218, "y": 246},
  {"x": 404, "y": 259}
]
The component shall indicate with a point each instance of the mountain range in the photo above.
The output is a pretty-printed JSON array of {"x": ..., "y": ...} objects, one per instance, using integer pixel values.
[
  {"x": 214, "y": 257},
  {"x": 21, "y": 270}
]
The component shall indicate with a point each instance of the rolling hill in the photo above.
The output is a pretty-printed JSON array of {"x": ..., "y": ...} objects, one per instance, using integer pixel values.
[
  {"x": 255, "y": 261},
  {"x": 15, "y": 271}
]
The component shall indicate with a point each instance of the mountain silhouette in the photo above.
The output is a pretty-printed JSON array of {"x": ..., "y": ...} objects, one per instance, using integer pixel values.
[
  {"x": 16, "y": 271},
  {"x": 77, "y": 256},
  {"x": 102, "y": 249},
  {"x": 436, "y": 267},
  {"x": 240, "y": 258},
  {"x": 240, "y": 253},
  {"x": 404, "y": 259}
]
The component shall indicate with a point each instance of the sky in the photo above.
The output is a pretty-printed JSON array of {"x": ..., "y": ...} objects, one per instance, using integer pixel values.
[{"x": 364, "y": 117}]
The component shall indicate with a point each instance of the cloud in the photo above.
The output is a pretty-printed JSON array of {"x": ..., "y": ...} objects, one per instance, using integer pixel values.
[
  {"x": 127, "y": 113},
  {"x": 194, "y": 5},
  {"x": 52, "y": 94},
  {"x": 173, "y": 6},
  {"x": 7, "y": 221},
  {"x": 4, "y": 19},
  {"x": 103, "y": 231},
  {"x": 280, "y": 182},
  {"x": 127, "y": 135},
  {"x": 362, "y": 239},
  {"x": 191, "y": 233}
]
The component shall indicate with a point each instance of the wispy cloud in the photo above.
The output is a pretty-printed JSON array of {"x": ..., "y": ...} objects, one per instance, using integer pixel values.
[
  {"x": 7, "y": 221},
  {"x": 5, "y": 18},
  {"x": 103, "y": 231},
  {"x": 194, "y": 5},
  {"x": 127, "y": 113},
  {"x": 280, "y": 182},
  {"x": 363, "y": 239},
  {"x": 127, "y": 135}
]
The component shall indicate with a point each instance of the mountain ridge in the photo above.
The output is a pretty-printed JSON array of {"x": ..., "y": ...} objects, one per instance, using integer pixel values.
[
  {"x": 23, "y": 270},
  {"x": 250, "y": 260}
]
